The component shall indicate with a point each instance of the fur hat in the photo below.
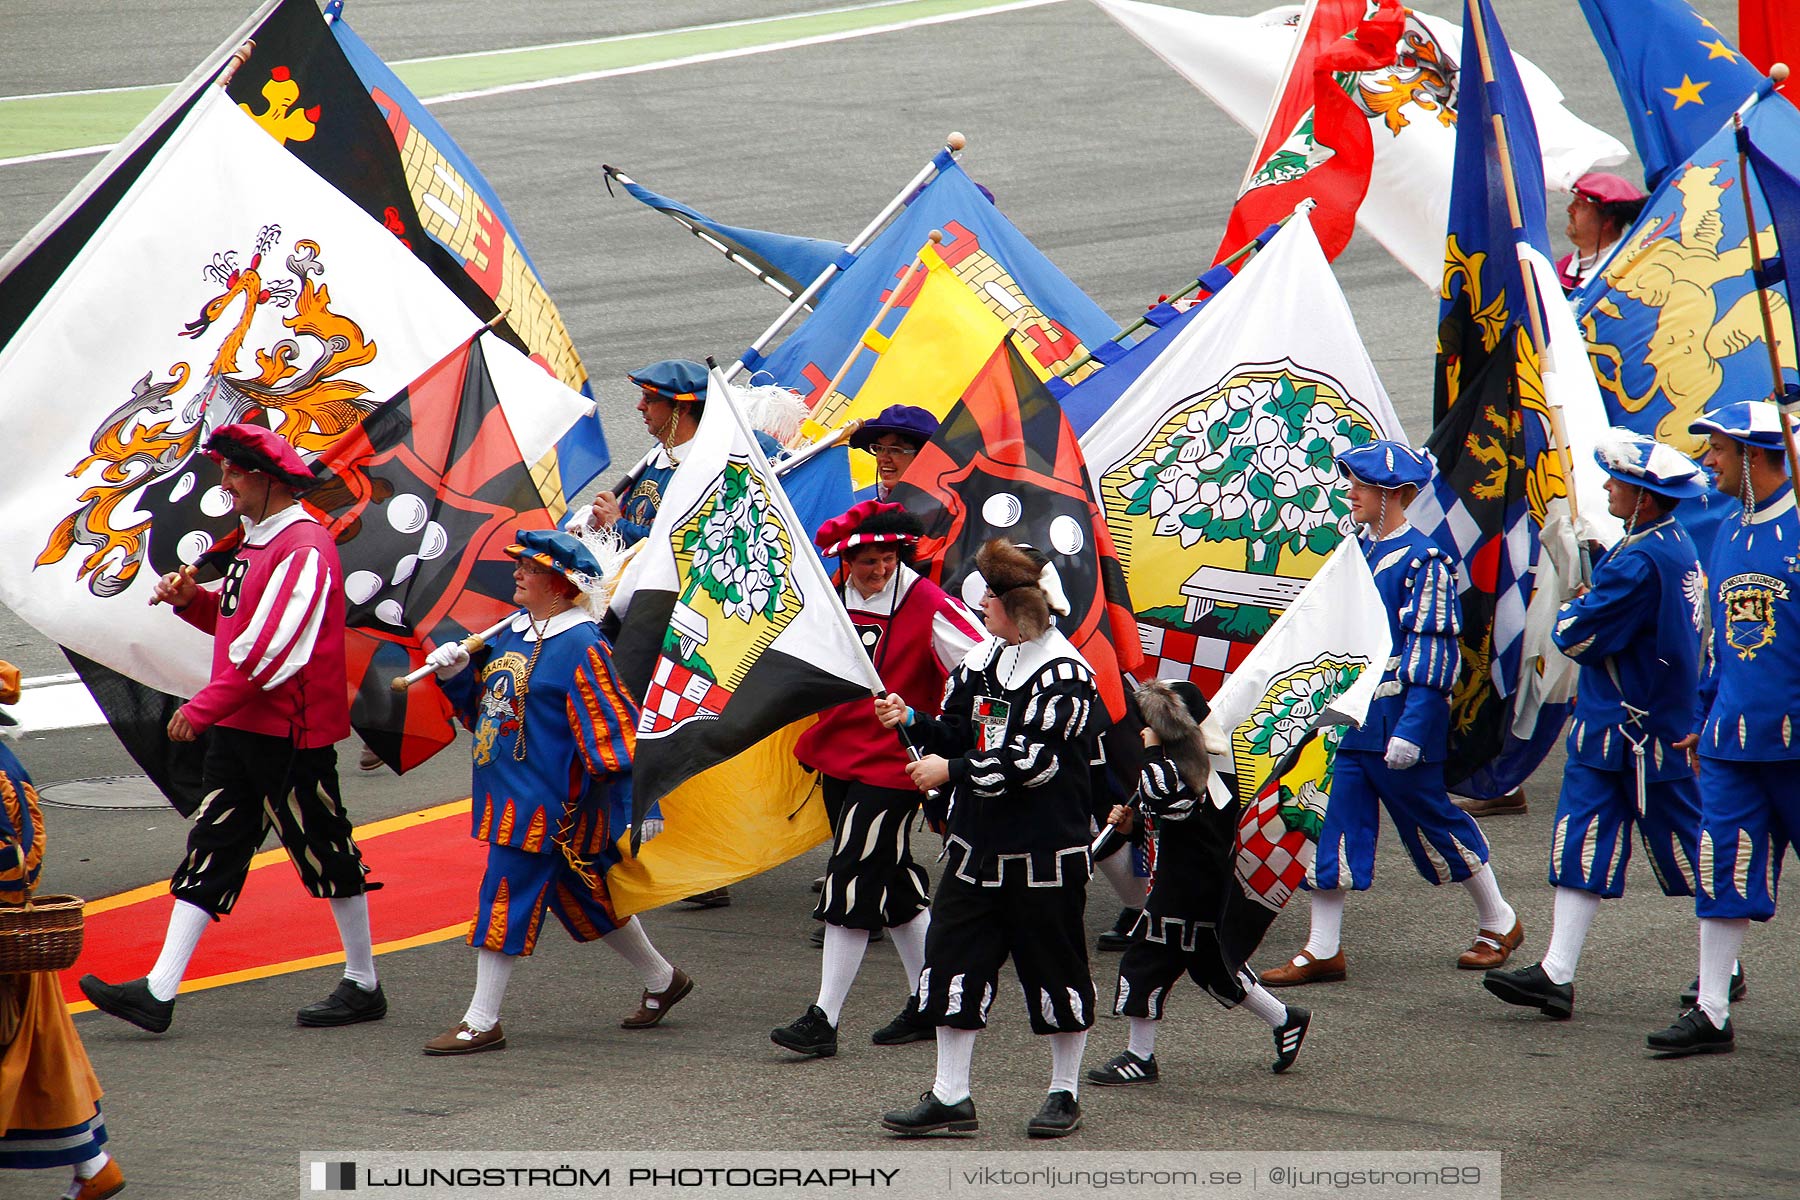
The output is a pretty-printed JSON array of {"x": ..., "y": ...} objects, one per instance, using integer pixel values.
[
  {"x": 1174, "y": 711},
  {"x": 1026, "y": 583}
]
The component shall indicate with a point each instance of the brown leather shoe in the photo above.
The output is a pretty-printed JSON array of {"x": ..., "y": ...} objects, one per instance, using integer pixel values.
[
  {"x": 656, "y": 1005},
  {"x": 463, "y": 1040},
  {"x": 107, "y": 1181},
  {"x": 1491, "y": 950},
  {"x": 1305, "y": 969},
  {"x": 1497, "y": 806}
]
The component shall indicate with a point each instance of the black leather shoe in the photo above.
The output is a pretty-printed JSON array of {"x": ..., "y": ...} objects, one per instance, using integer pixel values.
[
  {"x": 1694, "y": 1033},
  {"x": 1059, "y": 1117},
  {"x": 909, "y": 1026},
  {"x": 1690, "y": 995},
  {"x": 931, "y": 1115},
  {"x": 1124, "y": 1068},
  {"x": 714, "y": 898},
  {"x": 348, "y": 1004},
  {"x": 1288, "y": 1036},
  {"x": 1529, "y": 987},
  {"x": 130, "y": 1001},
  {"x": 1119, "y": 936},
  {"x": 810, "y": 1034}
]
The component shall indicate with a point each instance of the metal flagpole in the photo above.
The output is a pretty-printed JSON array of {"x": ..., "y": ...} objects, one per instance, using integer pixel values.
[{"x": 953, "y": 144}]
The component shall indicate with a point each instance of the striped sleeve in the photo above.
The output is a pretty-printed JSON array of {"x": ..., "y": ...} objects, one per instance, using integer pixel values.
[
  {"x": 1429, "y": 623},
  {"x": 1161, "y": 789},
  {"x": 602, "y": 714},
  {"x": 1045, "y": 739},
  {"x": 281, "y": 633}
]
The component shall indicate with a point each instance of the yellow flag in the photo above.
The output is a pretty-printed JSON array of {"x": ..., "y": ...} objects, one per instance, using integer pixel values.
[
  {"x": 736, "y": 819},
  {"x": 946, "y": 336}
]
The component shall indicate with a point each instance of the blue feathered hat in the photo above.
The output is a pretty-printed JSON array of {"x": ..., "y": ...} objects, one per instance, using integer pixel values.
[
  {"x": 1752, "y": 422},
  {"x": 1630, "y": 457},
  {"x": 1387, "y": 464},
  {"x": 563, "y": 553}
]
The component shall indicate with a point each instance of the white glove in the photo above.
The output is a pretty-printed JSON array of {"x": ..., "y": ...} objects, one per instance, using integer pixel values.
[
  {"x": 649, "y": 829},
  {"x": 448, "y": 660},
  {"x": 1401, "y": 754}
]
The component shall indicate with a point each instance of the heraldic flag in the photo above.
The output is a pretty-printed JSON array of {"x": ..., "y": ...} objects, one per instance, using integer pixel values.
[
  {"x": 783, "y": 261},
  {"x": 1217, "y": 466},
  {"x": 1316, "y": 143},
  {"x": 1005, "y": 463},
  {"x": 228, "y": 283},
  {"x": 733, "y": 637},
  {"x": 1498, "y": 474},
  {"x": 423, "y": 497},
  {"x": 1678, "y": 77},
  {"x": 1274, "y": 731},
  {"x": 1054, "y": 318},
  {"x": 1410, "y": 107}
]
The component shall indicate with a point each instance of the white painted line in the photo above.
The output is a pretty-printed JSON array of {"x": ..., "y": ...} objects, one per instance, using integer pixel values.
[
  {"x": 55, "y": 702},
  {"x": 616, "y": 72}
]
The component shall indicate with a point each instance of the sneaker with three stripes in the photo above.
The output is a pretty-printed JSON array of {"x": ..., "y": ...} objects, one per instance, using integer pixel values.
[{"x": 1124, "y": 1068}]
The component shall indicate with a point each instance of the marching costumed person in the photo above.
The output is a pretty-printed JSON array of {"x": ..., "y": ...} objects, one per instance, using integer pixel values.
[
  {"x": 554, "y": 731},
  {"x": 49, "y": 1097},
  {"x": 894, "y": 437},
  {"x": 1012, "y": 748},
  {"x": 916, "y": 634},
  {"x": 671, "y": 400},
  {"x": 1396, "y": 757},
  {"x": 277, "y": 705},
  {"x": 1745, "y": 740},
  {"x": 1603, "y": 207},
  {"x": 1196, "y": 841},
  {"x": 1636, "y": 635}
]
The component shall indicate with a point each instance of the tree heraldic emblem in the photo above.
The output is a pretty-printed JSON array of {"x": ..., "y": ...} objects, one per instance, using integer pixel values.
[
  {"x": 734, "y": 556},
  {"x": 1284, "y": 780}
]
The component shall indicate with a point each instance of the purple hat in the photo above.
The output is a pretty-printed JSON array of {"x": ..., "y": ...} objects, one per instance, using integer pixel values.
[
  {"x": 259, "y": 448},
  {"x": 908, "y": 420},
  {"x": 1604, "y": 188}
]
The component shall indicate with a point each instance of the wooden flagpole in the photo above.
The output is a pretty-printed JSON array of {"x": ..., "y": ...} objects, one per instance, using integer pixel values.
[
  {"x": 1533, "y": 312},
  {"x": 1778, "y": 73},
  {"x": 935, "y": 239}
]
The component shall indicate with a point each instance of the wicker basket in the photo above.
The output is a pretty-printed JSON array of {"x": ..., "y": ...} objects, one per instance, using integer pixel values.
[{"x": 43, "y": 935}]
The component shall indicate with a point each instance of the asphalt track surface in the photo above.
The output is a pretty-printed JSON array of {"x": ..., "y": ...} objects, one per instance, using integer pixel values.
[{"x": 1123, "y": 175}]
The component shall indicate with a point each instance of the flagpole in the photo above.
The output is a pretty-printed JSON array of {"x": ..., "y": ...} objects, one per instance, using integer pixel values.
[
  {"x": 1777, "y": 72},
  {"x": 1533, "y": 301},
  {"x": 812, "y": 450},
  {"x": 1236, "y": 256},
  {"x": 953, "y": 145},
  {"x": 877, "y": 689},
  {"x": 472, "y": 643},
  {"x": 934, "y": 239}
]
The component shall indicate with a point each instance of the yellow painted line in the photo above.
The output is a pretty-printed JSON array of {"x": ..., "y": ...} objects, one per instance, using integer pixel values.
[
  {"x": 373, "y": 829},
  {"x": 293, "y": 965}
]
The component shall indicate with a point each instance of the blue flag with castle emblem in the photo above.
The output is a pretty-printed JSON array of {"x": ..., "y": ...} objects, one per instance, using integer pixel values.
[
  {"x": 1677, "y": 76},
  {"x": 1052, "y": 317}
]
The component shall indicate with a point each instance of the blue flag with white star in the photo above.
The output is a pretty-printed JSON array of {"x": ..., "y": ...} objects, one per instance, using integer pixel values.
[{"x": 1679, "y": 77}]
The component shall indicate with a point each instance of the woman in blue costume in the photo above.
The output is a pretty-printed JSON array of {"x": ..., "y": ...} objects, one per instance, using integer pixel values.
[{"x": 554, "y": 731}]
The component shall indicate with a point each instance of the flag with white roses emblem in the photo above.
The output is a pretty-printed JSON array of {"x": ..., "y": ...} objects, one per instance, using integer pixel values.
[{"x": 1216, "y": 467}]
